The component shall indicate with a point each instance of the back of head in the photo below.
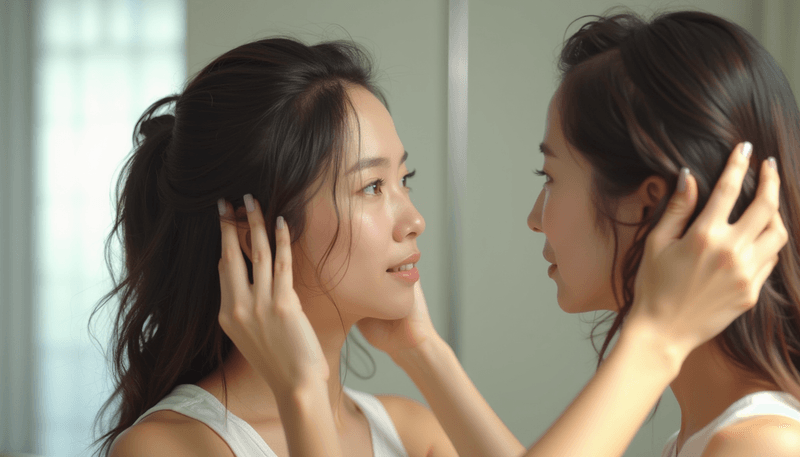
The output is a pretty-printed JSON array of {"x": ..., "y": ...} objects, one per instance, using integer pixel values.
[
  {"x": 643, "y": 98},
  {"x": 267, "y": 118}
]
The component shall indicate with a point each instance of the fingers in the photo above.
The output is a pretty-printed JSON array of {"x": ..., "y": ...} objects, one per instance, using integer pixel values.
[
  {"x": 728, "y": 187},
  {"x": 283, "y": 281},
  {"x": 679, "y": 209},
  {"x": 232, "y": 269},
  {"x": 261, "y": 254},
  {"x": 760, "y": 212}
]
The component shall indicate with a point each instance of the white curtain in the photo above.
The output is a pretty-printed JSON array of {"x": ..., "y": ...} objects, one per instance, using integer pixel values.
[{"x": 76, "y": 74}]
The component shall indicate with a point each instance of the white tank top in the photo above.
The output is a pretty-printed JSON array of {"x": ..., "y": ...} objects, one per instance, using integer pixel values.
[
  {"x": 756, "y": 404},
  {"x": 193, "y": 401}
]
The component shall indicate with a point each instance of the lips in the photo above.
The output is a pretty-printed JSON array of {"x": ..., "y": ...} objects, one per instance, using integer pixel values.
[{"x": 412, "y": 259}]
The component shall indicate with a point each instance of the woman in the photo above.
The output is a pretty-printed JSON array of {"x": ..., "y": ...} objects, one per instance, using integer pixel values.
[
  {"x": 638, "y": 102},
  {"x": 649, "y": 98},
  {"x": 302, "y": 130}
]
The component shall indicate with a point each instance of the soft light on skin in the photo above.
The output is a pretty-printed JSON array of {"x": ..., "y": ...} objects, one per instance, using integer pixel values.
[
  {"x": 564, "y": 212},
  {"x": 385, "y": 226}
]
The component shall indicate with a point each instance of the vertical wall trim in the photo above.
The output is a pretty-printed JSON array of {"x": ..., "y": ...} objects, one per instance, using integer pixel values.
[
  {"x": 456, "y": 160},
  {"x": 17, "y": 356}
]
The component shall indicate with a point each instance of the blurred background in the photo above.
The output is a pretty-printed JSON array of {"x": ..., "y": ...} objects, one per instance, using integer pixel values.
[{"x": 76, "y": 74}]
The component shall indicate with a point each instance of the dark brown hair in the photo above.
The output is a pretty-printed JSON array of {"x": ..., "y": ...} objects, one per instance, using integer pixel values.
[
  {"x": 643, "y": 98},
  {"x": 268, "y": 118}
]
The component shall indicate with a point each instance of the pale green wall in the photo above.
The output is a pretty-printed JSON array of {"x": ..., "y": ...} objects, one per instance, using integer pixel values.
[
  {"x": 526, "y": 356},
  {"x": 408, "y": 40}
]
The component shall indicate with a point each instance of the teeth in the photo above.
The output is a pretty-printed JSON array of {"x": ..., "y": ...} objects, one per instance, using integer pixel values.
[{"x": 404, "y": 267}]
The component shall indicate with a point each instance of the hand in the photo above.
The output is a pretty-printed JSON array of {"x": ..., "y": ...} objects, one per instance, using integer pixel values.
[
  {"x": 394, "y": 336},
  {"x": 265, "y": 319},
  {"x": 691, "y": 288}
]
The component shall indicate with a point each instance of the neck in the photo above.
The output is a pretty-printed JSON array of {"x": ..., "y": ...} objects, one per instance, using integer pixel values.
[
  {"x": 708, "y": 383},
  {"x": 248, "y": 394}
]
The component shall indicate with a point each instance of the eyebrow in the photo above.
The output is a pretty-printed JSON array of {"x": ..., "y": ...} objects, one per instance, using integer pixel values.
[
  {"x": 374, "y": 162},
  {"x": 547, "y": 151}
]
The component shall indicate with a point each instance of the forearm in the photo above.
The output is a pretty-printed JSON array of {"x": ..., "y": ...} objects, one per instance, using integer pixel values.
[
  {"x": 605, "y": 416},
  {"x": 470, "y": 423},
  {"x": 308, "y": 422}
]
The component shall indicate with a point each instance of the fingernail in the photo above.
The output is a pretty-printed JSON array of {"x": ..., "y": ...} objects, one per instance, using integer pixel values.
[
  {"x": 280, "y": 224},
  {"x": 248, "y": 203},
  {"x": 683, "y": 179},
  {"x": 747, "y": 149},
  {"x": 221, "y": 207},
  {"x": 773, "y": 163}
]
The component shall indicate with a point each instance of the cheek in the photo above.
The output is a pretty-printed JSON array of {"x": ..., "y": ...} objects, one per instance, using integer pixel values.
[{"x": 369, "y": 247}]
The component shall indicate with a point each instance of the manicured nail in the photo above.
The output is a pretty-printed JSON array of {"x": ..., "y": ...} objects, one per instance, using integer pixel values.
[
  {"x": 747, "y": 149},
  {"x": 683, "y": 179},
  {"x": 221, "y": 207},
  {"x": 248, "y": 203},
  {"x": 280, "y": 224},
  {"x": 773, "y": 163}
]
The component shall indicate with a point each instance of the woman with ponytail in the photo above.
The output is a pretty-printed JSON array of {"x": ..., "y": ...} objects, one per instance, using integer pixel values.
[{"x": 269, "y": 213}]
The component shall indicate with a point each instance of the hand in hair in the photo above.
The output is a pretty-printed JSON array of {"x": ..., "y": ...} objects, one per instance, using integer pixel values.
[
  {"x": 268, "y": 326},
  {"x": 690, "y": 288}
]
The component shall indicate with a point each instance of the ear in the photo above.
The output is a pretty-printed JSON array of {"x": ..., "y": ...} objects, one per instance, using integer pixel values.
[
  {"x": 636, "y": 206},
  {"x": 243, "y": 230}
]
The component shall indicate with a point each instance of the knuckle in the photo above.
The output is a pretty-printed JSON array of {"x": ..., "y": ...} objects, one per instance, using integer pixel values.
[
  {"x": 259, "y": 256},
  {"x": 282, "y": 308},
  {"x": 281, "y": 266},
  {"x": 240, "y": 314},
  {"x": 726, "y": 258},
  {"x": 701, "y": 240}
]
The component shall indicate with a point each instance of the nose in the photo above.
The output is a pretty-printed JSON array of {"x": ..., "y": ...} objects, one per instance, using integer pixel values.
[
  {"x": 535, "y": 216},
  {"x": 410, "y": 223}
]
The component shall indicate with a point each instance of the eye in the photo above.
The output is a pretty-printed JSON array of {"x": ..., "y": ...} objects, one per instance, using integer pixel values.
[
  {"x": 407, "y": 177},
  {"x": 373, "y": 188},
  {"x": 542, "y": 173}
]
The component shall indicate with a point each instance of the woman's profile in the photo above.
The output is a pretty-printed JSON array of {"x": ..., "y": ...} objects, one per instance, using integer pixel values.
[
  {"x": 271, "y": 212},
  {"x": 649, "y": 97}
]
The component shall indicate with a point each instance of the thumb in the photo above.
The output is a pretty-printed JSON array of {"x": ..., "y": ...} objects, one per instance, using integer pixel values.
[{"x": 679, "y": 210}]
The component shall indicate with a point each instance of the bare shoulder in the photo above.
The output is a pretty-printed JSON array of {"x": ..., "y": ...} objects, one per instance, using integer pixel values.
[
  {"x": 774, "y": 436},
  {"x": 167, "y": 433},
  {"x": 420, "y": 431}
]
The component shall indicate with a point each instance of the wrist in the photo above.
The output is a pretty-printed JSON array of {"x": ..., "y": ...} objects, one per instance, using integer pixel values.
[
  {"x": 303, "y": 396},
  {"x": 652, "y": 346},
  {"x": 426, "y": 352}
]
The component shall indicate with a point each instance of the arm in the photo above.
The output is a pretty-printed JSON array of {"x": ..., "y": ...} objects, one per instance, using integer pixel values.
[
  {"x": 664, "y": 326},
  {"x": 613, "y": 404}
]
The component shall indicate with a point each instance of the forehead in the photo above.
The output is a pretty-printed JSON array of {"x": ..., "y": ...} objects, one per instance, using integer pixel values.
[
  {"x": 372, "y": 130},
  {"x": 555, "y": 145}
]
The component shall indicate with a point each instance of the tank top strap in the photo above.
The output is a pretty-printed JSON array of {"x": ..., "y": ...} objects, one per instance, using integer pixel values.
[
  {"x": 193, "y": 401},
  {"x": 385, "y": 439}
]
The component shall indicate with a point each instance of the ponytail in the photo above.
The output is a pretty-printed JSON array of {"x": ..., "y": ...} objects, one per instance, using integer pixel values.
[
  {"x": 140, "y": 200},
  {"x": 159, "y": 340}
]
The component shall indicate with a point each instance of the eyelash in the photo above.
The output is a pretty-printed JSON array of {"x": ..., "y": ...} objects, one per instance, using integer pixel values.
[
  {"x": 380, "y": 182},
  {"x": 542, "y": 173}
]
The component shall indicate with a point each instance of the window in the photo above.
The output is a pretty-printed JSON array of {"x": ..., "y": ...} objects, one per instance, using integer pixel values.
[{"x": 99, "y": 64}]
